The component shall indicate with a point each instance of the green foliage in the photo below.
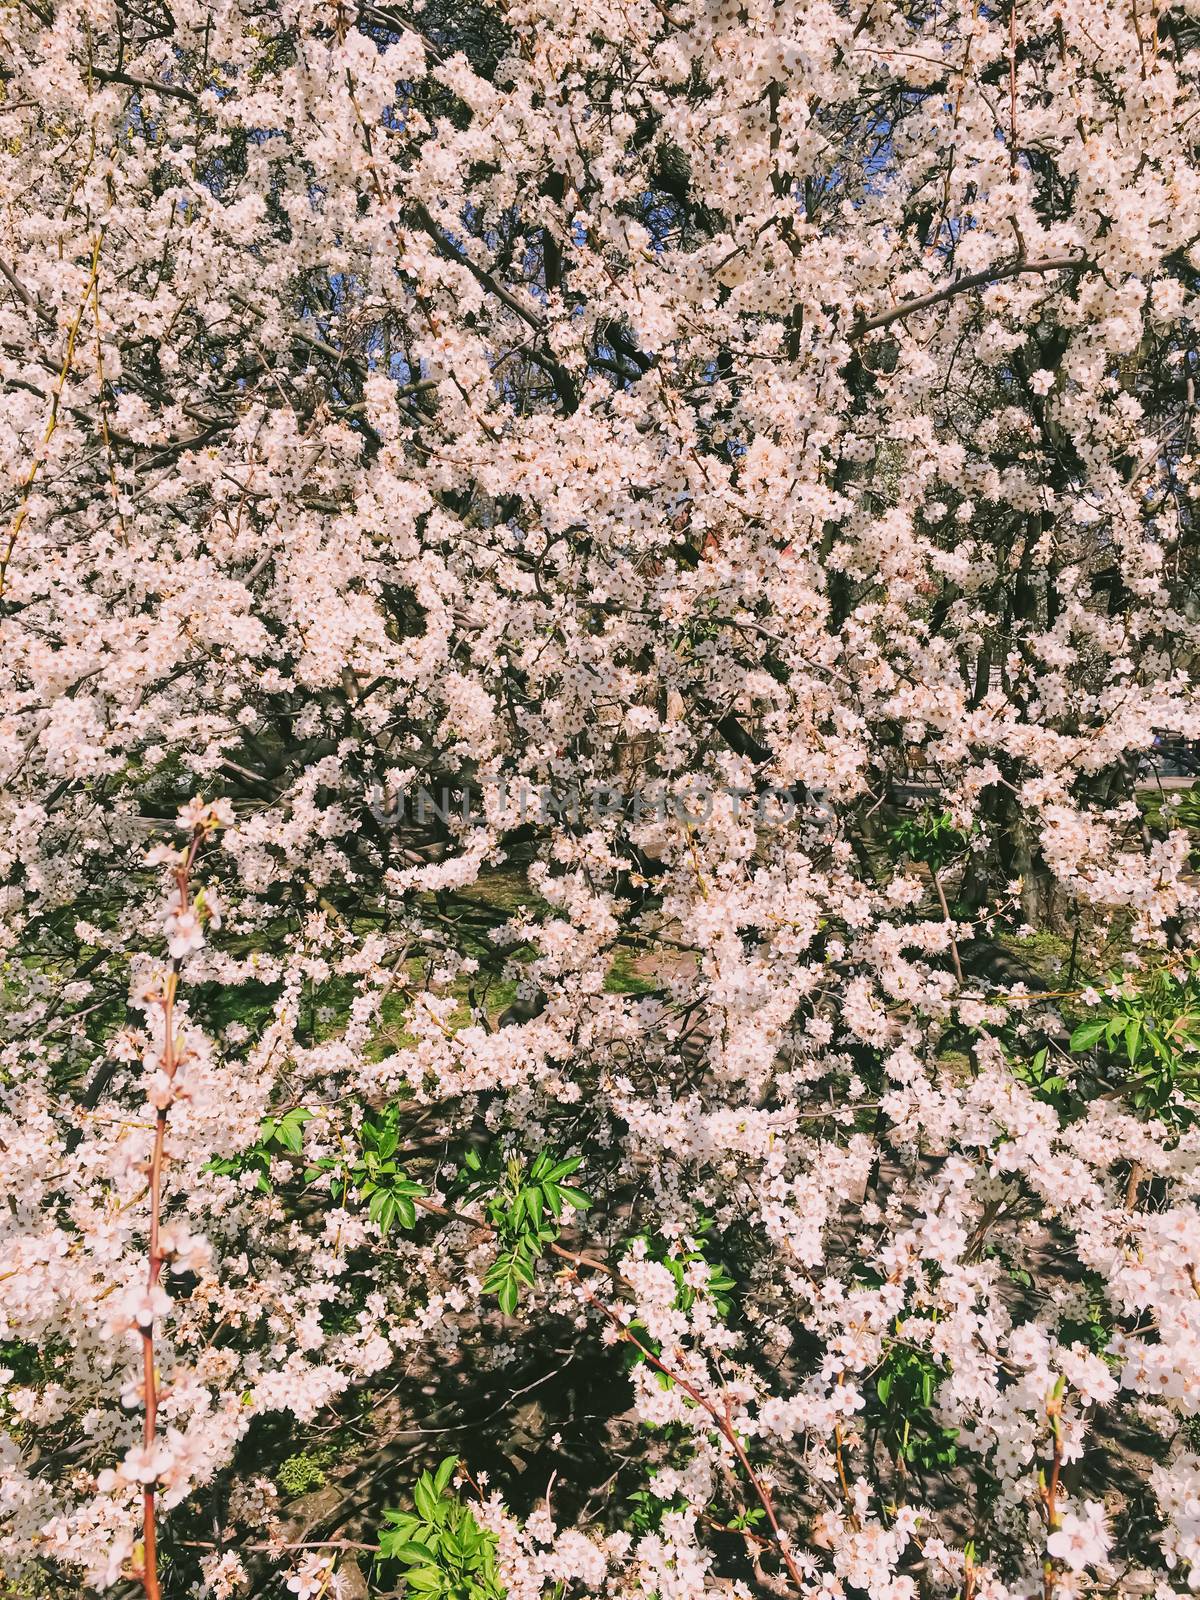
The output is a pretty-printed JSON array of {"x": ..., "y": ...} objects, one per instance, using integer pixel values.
[
  {"x": 677, "y": 1258},
  {"x": 525, "y": 1205},
  {"x": 276, "y": 1136},
  {"x": 370, "y": 1175},
  {"x": 374, "y": 1175},
  {"x": 444, "y": 1553},
  {"x": 746, "y": 1520},
  {"x": 1046, "y": 1084},
  {"x": 1187, "y": 811},
  {"x": 646, "y": 1511},
  {"x": 1093, "y": 1327},
  {"x": 906, "y": 1387},
  {"x": 1163, "y": 812},
  {"x": 930, "y": 837},
  {"x": 1149, "y": 1037},
  {"x": 719, "y": 1284},
  {"x": 24, "y": 1362},
  {"x": 305, "y": 1470},
  {"x": 1184, "y": 813}
]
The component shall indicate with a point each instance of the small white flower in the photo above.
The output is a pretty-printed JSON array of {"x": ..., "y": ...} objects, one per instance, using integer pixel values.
[
  {"x": 184, "y": 933},
  {"x": 1080, "y": 1542}
]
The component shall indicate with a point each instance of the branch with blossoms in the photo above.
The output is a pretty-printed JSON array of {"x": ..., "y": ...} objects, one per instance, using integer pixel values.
[
  {"x": 722, "y": 1419},
  {"x": 965, "y": 284},
  {"x": 186, "y": 915}
]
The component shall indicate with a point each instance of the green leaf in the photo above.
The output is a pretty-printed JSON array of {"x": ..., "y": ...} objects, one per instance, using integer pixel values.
[
  {"x": 382, "y": 1209},
  {"x": 425, "y": 1498},
  {"x": 428, "y": 1579},
  {"x": 411, "y": 1551},
  {"x": 1087, "y": 1035},
  {"x": 508, "y": 1297},
  {"x": 404, "y": 1525},
  {"x": 1133, "y": 1036},
  {"x": 496, "y": 1274},
  {"x": 564, "y": 1169},
  {"x": 444, "y": 1473}
]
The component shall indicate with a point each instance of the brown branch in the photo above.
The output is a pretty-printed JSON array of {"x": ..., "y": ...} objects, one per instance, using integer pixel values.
[
  {"x": 963, "y": 285},
  {"x": 20, "y": 290},
  {"x": 562, "y": 379},
  {"x": 171, "y": 1060},
  {"x": 271, "y": 1547},
  {"x": 954, "y": 955},
  {"x": 453, "y": 253},
  {"x": 1050, "y": 1491},
  {"x": 52, "y": 420},
  {"x": 1012, "y": 92},
  {"x": 175, "y": 90},
  {"x": 723, "y": 1422}
]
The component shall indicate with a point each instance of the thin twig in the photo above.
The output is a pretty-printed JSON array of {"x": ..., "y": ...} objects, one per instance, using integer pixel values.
[
  {"x": 171, "y": 1060},
  {"x": 724, "y": 1424},
  {"x": 52, "y": 419}
]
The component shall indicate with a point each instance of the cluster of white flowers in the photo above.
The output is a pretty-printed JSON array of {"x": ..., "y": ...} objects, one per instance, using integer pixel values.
[{"x": 511, "y": 397}]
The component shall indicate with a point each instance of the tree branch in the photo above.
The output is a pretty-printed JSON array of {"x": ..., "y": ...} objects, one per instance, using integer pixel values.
[
  {"x": 972, "y": 280},
  {"x": 176, "y": 90}
]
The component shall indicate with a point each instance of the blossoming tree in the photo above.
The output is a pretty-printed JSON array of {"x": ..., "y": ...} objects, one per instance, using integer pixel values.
[{"x": 777, "y": 419}]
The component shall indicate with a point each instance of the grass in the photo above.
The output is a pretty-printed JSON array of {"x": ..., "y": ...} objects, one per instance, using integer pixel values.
[
  {"x": 1047, "y": 953},
  {"x": 623, "y": 978},
  {"x": 1183, "y": 810},
  {"x": 305, "y": 1471}
]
